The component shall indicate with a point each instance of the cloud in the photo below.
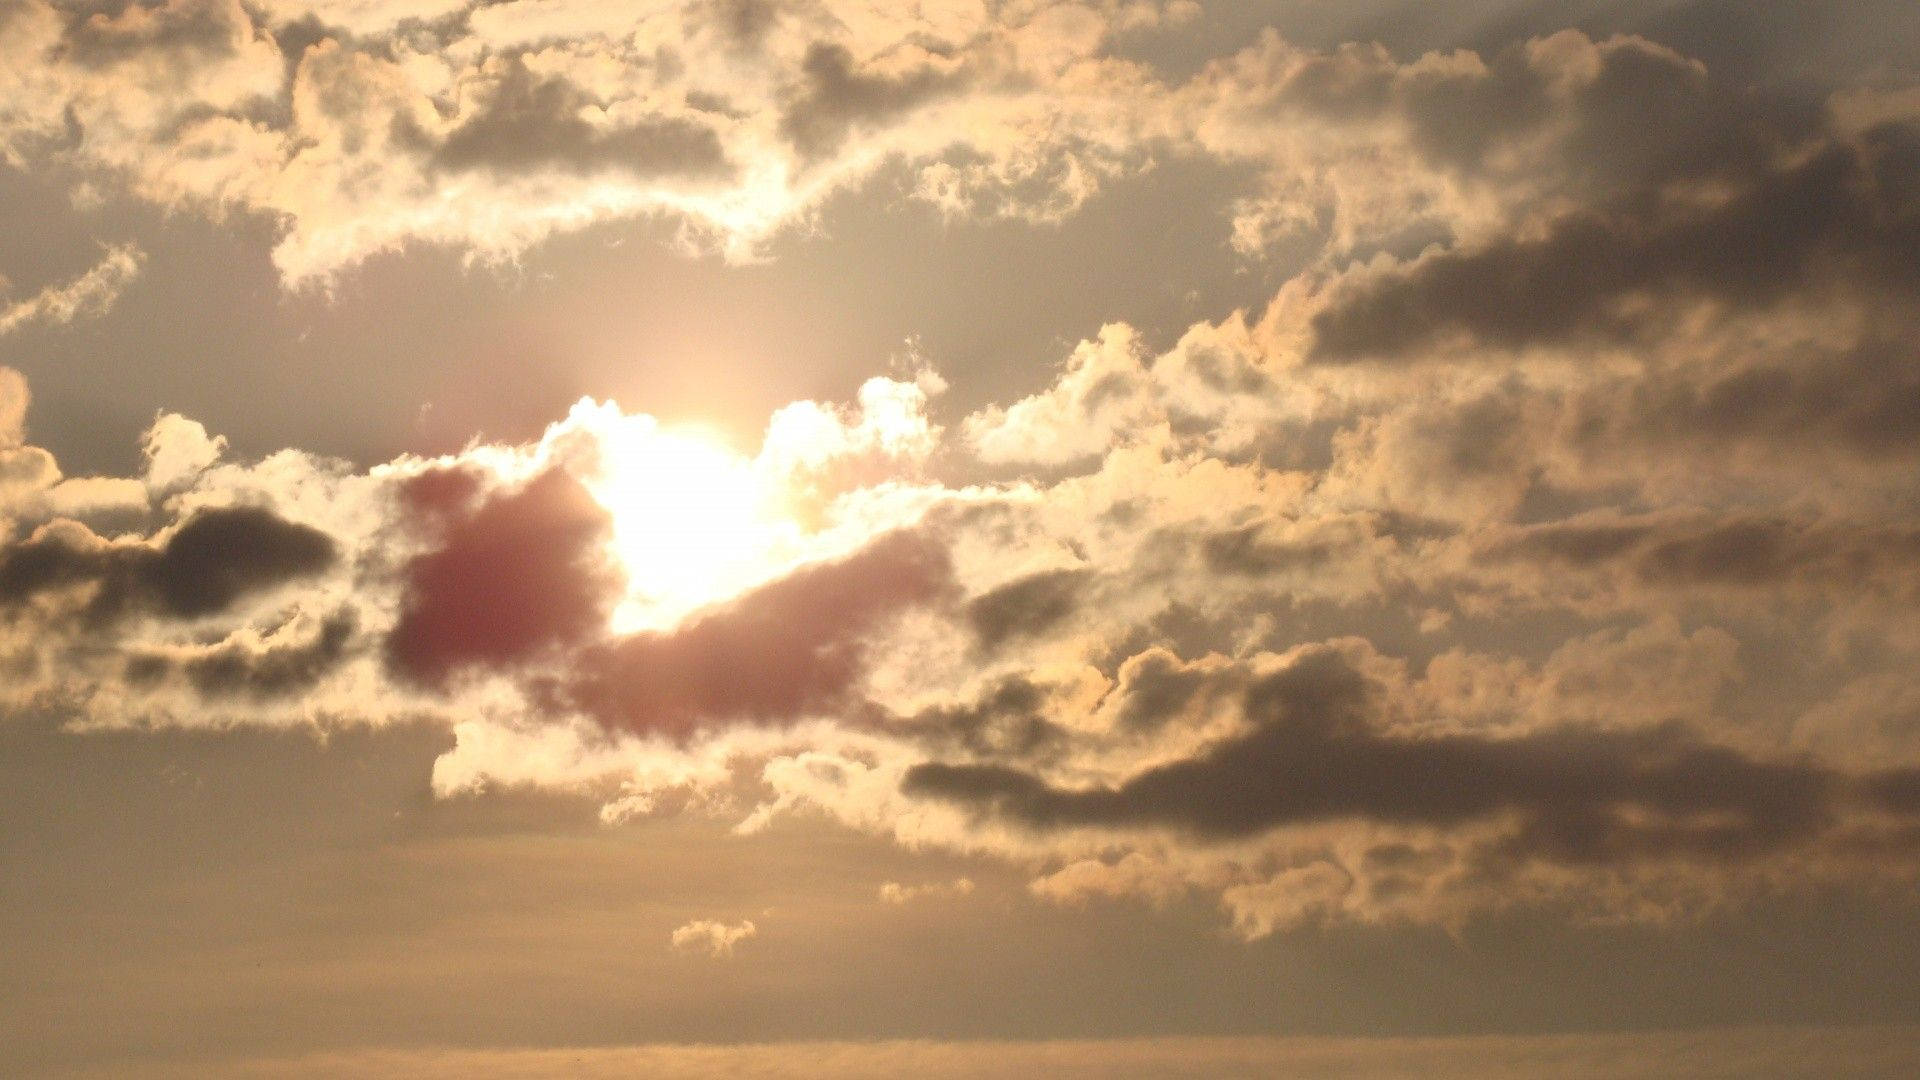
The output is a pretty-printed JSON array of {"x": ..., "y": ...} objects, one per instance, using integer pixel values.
[
  {"x": 893, "y": 892},
  {"x": 533, "y": 122},
  {"x": 776, "y": 653},
  {"x": 714, "y": 938},
  {"x": 1029, "y": 605},
  {"x": 1843, "y": 212},
  {"x": 1316, "y": 754},
  {"x": 837, "y": 97},
  {"x": 89, "y": 294},
  {"x": 256, "y": 669},
  {"x": 521, "y": 572},
  {"x": 1546, "y": 542},
  {"x": 178, "y": 450},
  {"x": 1756, "y": 554},
  {"x": 356, "y": 135},
  {"x": 211, "y": 560}
]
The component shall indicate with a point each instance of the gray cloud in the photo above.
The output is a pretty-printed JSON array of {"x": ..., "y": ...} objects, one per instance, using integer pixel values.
[
  {"x": 534, "y": 122},
  {"x": 213, "y": 559},
  {"x": 185, "y": 33},
  {"x": 771, "y": 654},
  {"x": 1008, "y": 721},
  {"x": 1026, "y": 606},
  {"x": 836, "y": 97},
  {"x": 234, "y": 669},
  {"x": 1864, "y": 400},
  {"x": 1738, "y": 551},
  {"x": 1846, "y": 214},
  {"x": 1318, "y": 752}
]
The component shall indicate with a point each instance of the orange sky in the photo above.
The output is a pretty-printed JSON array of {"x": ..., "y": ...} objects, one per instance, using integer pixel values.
[{"x": 1154, "y": 534}]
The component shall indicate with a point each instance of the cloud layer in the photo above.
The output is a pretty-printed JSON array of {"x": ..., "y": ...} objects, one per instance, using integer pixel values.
[{"x": 1548, "y": 541}]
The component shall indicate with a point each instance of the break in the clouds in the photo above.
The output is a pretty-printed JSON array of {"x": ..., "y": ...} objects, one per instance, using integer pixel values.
[{"x": 1547, "y": 542}]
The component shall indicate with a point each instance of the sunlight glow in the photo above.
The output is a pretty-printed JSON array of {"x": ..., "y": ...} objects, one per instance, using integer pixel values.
[
  {"x": 693, "y": 521},
  {"x": 696, "y": 522}
]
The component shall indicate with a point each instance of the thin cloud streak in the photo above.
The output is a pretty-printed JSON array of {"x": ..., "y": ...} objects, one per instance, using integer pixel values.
[
  {"x": 89, "y": 294},
  {"x": 1761, "y": 1054}
]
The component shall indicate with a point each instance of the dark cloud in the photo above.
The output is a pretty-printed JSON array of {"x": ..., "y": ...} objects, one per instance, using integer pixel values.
[
  {"x": 745, "y": 22},
  {"x": 524, "y": 572},
  {"x": 1318, "y": 752},
  {"x": 276, "y": 671},
  {"x": 1008, "y": 721},
  {"x": 1787, "y": 41},
  {"x": 1026, "y": 606},
  {"x": 1574, "y": 543},
  {"x": 1844, "y": 217},
  {"x": 1864, "y": 401},
  {"x": 190, "y": 33},
  {"x": 212, "y": 560},
  {"x": 1248, "y": 551},
  {"x": 1153, "y": 687},
  {"x": 1621, "y": 113},
  {"x": 1737, "y": 550},
  {"x": 837, "y": 97},
  {"x": 236, "y": 669},
  {"x": 769, "y": 655},
  {"x": 534, "y": 122}
]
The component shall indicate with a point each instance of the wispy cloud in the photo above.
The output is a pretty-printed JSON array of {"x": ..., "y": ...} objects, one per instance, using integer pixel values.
[{"x": 89, "y": 294}]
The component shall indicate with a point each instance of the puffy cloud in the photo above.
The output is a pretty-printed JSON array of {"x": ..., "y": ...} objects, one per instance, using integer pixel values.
[
  {"x": 212, "y": 559},
  {"x": 360, "y": 126},
  {"x": 178, "y": 450},
  {"x": 523, "y": 571},
  {"x": 1098, "y": 398}
]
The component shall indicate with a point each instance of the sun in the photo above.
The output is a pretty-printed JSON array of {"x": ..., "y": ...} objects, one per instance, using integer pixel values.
[{"x": 694, "y": 522}]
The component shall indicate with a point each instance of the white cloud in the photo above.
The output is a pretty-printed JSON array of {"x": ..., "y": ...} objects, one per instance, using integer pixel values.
[
  {"x": 893, "y": 892},
  {"x": 714, "y": 938},
  {"x": 89, "y": 294}
]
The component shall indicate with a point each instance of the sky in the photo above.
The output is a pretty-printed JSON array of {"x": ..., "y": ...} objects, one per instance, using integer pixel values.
[{"x": 702, "y": 538}]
